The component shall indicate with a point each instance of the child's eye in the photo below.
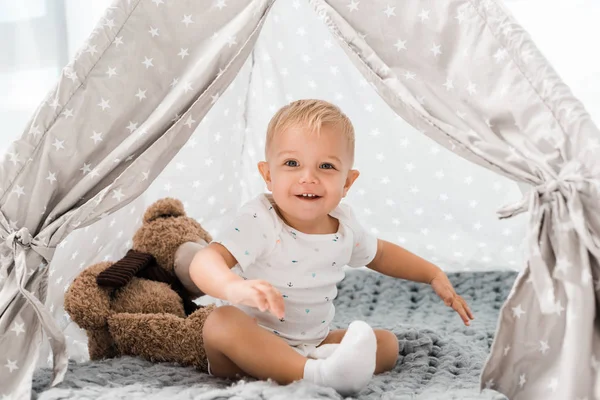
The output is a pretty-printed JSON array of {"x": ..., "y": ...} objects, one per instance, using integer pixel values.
[
  {"x": 291, "y": 163},
  {"x": 327, "y": 166}
]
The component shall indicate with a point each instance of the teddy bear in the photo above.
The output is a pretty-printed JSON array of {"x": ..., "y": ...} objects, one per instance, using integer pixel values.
[{"x": 142, "y": 305}]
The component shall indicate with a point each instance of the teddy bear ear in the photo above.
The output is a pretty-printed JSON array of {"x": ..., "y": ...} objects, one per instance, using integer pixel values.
[{"x": 167, "y": 207}]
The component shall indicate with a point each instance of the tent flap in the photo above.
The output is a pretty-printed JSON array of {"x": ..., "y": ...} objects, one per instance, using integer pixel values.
[
  {"x": 99, "y": 140},
  {"x": 473, "y": 81}
]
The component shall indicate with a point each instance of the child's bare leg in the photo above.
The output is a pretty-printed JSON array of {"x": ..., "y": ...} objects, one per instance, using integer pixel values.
[
  {"x": 236, "y": 345},
  {"x": 387, "y": 347}
]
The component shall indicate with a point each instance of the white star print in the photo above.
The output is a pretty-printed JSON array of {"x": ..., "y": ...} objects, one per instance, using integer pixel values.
[
  {"x": 11, "y": 365},
  {"x": 400, "y": 44},
  {"x": 153, "y": 32},
  {"x": 231, "y": 41},
  {"x": 141, "y": 94},
  {"x": 424, "y": 15},
  {"x": 187, "y": 19},
  {"x": 471, "y": 88},
  {"x": 118, "y": 41},
  {"x": 522, "y": 380},
  {"x": 96, "y": 137},
  {"x": 118, "y": 194},
  {"x": 34, "y": 130},
  {"x": 148, "y": 62},
  {"x": 71, "y": 75},
  {"x": 435, "y": 49},
  {"x": 157, "y": 2},
  {"x": 18, "y": 328},
  {"x": 389, "y": 11},
  {"x": 14, "y": 157},
  {"x": 86, "y": 168},
  {"x": 111, "y": 71},
  {"x": 58, "y": 144},
  {"x": 518, "y": 311},
  {"x": 110, "y": 23},
  {"x": 544, "y": 346},
  {"x": 51, "y": 177},
  {"x": 182, "y": 53},
  {"x": 221, "y": 4},
  {"x": 104, "y": 104},
  {"x": 189, "y": 122},
  {"x": 353, "y": 5},
  {"x": 132, "y": 126},
  {"x": 67, "y": 113},
  {"x": 91, "y": 49}
]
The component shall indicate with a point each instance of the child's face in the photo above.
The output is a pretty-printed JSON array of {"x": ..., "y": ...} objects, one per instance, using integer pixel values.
[{"x": 302, "y": 163}]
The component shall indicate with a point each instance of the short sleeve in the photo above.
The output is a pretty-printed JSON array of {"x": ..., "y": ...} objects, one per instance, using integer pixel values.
[
  {"x": 251, "y": 235},
  {"x": 364, "y": 246}
]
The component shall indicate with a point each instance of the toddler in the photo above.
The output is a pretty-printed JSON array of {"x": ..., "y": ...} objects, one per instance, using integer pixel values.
[{"x": 277, "y": 266}]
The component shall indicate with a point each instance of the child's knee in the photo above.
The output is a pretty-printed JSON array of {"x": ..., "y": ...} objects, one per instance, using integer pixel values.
[
  {"x": 388, "y": 347},
  {"x": 222, "y": 324}
]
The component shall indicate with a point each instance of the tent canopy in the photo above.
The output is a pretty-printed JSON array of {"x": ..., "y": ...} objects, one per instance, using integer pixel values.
[{"x": 172, "y": 100}]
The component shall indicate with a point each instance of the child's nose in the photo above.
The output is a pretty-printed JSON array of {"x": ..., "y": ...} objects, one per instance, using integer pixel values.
[{"x": 308, "y": 176}]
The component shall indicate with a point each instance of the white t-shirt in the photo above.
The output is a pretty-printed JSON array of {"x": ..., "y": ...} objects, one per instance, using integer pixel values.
[{"x": 305, "y": 268}]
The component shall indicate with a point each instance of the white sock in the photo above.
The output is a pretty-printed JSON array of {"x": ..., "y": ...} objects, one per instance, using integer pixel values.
[
  {"x": 323, "y": 351},
  {"x": 351, "y": 366}
]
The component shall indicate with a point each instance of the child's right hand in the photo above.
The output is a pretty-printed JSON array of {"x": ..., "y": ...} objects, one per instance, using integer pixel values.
[{"x": 256, "y": 293}]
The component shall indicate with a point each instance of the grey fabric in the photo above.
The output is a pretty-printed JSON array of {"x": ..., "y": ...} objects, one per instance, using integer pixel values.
[
  {"x": 440, "y": 358},
  {"x": 73, "y": 165},
  {"x": 498, "y": 103},
  {"x": 183, "y": 258}
]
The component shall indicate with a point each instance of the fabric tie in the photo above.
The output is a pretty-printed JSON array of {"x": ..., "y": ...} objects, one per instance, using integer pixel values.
[
  {"x": 569, "y": 183},
  {"x": 21, "y": 241}
]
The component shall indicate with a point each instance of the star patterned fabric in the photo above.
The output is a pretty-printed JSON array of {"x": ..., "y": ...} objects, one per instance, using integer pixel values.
[{"x": 175, "y": 103}]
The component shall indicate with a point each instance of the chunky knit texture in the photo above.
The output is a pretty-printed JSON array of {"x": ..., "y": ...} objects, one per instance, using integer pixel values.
[{"x": 440, "y": 358}]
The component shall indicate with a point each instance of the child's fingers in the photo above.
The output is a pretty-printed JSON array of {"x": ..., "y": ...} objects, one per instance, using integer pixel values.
[
  {"x": 459, "y": 307},
  {"x": 260, "y": 300},
  {"x": 466, "y": 308},
  {"x": 469, "y": 312},
  {"x": 274, "y": 299}
]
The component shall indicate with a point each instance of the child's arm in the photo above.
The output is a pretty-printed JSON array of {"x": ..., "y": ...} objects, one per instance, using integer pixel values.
[
  {"x": 210, "y": 270},
  {"x": 394, "y": 261}
]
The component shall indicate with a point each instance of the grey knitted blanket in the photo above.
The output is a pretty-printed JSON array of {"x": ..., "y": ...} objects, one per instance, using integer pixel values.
[{"x": 440, "y": 358}]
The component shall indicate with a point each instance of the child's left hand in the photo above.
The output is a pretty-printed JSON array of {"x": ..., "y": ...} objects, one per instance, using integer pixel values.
[{"x": 443, "y": 288}]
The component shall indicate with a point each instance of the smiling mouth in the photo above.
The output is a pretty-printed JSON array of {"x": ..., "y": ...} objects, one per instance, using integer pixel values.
[{"x": 307, "y": 196}]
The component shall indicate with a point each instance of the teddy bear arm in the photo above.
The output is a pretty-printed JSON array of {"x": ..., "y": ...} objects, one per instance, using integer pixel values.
[{"x": 88, "y": 304}]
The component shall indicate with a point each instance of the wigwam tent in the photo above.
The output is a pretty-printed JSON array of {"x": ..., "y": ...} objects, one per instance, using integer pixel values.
[{"x": 170, "y": 98}]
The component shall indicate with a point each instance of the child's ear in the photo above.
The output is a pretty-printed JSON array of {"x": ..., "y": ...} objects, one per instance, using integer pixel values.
[
  {"x": 352, "y": 175},
  {"x": 265, "y": 172}
]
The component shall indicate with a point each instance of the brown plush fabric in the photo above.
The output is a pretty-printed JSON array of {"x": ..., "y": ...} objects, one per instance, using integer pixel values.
[
  {"x": 147, "y": 297},
  {"x": 88, "y": 304},
  {"x": 144, "y": 310},
  {"x": 143, "y": 335}
]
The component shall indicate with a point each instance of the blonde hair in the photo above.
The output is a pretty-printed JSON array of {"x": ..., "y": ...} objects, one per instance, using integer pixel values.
[{"x": 314, "y": 114}]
